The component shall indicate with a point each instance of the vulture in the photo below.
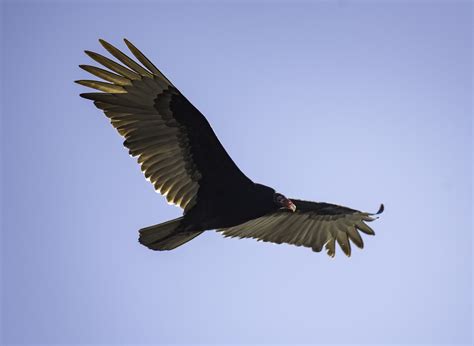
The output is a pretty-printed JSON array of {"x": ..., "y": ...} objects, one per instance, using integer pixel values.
[{"x": 180, "y": 154}]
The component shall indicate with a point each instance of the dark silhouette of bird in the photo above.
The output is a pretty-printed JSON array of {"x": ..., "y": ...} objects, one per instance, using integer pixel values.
[{"x": 181, "y": 156}]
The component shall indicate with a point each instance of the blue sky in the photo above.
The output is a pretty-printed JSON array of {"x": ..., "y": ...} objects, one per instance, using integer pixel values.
[{"x": 354, "y": 103}]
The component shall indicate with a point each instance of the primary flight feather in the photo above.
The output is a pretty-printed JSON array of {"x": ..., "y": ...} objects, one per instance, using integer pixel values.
[{"x": 181, "y": 156}]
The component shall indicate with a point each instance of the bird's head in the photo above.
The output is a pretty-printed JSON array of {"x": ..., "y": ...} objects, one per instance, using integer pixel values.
[{"x": 283, "y": 202}]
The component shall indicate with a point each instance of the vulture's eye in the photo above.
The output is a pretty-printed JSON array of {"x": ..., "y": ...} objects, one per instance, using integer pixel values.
[{"x": 279, "y": 198}]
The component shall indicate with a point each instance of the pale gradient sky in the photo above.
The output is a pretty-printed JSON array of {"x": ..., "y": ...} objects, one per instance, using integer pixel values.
[{"x": 354, "y": 103}]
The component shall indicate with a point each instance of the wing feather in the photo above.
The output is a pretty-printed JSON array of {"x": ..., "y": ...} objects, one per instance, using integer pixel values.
[
  {"x": 355, "y": 237},
  {"x": 102, "y": 86},
  {"x": 343, "y": 242},
  {"x": 331, "y": 247},
  {"x": 106, "y": 75}
]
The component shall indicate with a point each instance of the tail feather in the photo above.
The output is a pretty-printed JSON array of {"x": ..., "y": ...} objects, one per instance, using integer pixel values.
[{"x": 165, "y": 236}]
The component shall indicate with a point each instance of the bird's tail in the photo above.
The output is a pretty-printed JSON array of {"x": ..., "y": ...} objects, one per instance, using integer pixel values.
[{"x": 166, "y": 236}]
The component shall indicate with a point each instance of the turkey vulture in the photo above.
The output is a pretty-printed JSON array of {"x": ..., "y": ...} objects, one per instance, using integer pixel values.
[{"x": 181, "y": 156}]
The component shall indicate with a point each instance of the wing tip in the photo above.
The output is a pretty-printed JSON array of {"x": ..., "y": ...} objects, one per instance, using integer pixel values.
[
  {"x": 381, "y": 209},
  {"x": 92, "y": 95},
  {"x": 378, "y": 212},
  {"x": 105, "y": 44},
  {"x": 90, "y": 53}
]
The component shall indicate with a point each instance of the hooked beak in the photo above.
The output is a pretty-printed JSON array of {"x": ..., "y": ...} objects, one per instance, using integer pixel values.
[{"x": 289, "y": 205}]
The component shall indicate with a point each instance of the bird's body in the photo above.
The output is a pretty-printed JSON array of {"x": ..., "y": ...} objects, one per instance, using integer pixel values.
[
  {"x": 182, "y": 157},
  {"x": 232, "y": 207}
]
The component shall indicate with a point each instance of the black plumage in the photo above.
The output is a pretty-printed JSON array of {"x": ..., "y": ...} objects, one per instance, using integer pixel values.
[{"x": 181, "y": 156}]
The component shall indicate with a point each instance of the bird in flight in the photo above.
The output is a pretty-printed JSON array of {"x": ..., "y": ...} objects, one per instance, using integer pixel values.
[{"x": 179, "y": 153}]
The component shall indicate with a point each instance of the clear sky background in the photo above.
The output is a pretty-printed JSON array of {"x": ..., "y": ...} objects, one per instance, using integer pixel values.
[{"x": 354, "y": 103}]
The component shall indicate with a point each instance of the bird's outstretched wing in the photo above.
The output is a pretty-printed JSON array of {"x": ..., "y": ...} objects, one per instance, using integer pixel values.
[
  {"x": 176, "y": 147},
  {"x": 313, "y": 225}
]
